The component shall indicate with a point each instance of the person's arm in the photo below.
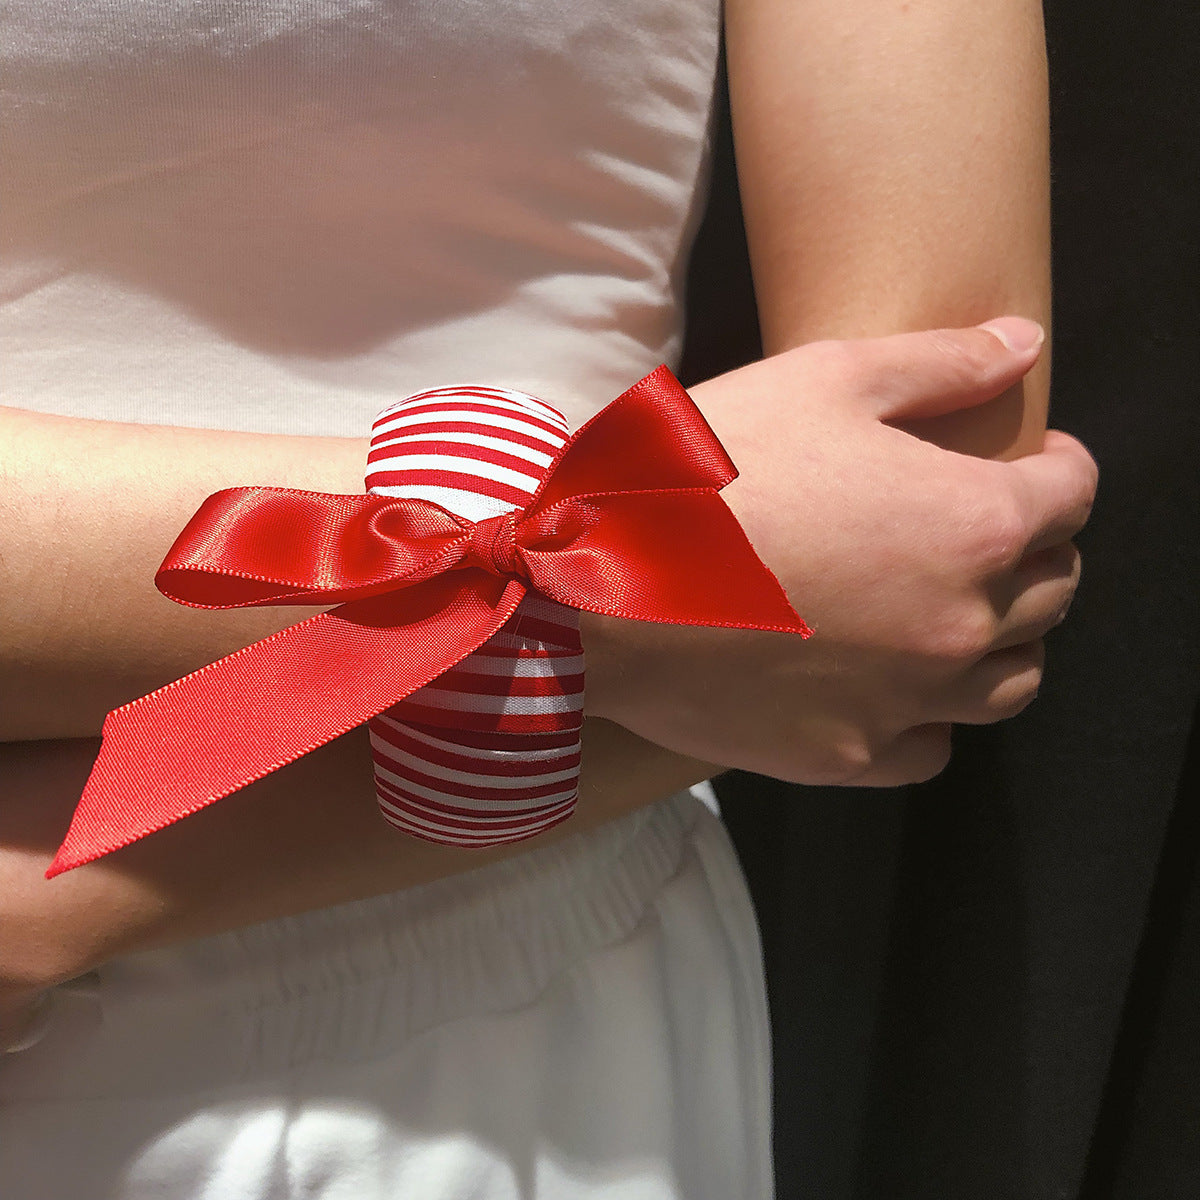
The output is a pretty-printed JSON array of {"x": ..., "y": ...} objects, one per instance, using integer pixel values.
[
  {"x": 89, "y": 509},
  {"x": 892, "y": 158},
  {"x": 865, "y": 701},
  {"x": 304, "y": 837},
  {"x": 893, "y": 162},
  {"x": 921, "y": 620}
]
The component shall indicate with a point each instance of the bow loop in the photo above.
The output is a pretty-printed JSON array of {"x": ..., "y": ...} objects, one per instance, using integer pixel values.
[
  {"x": 254, "y": 546},
  {"x": 653, "y": 437}
]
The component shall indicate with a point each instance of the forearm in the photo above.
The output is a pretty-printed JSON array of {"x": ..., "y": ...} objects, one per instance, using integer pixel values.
[
  {"x": 866, "y": 701},
  {"x": 304, "y": 837},
  {"x": 89, "y": 509},
  {"x": 894, "y": 168}
]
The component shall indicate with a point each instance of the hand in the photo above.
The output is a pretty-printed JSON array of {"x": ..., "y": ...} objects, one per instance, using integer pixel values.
[{"x": 929, "y": 577}]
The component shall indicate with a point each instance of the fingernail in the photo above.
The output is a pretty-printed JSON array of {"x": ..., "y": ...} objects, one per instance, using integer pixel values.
[{"x": 1016, "y": 333}]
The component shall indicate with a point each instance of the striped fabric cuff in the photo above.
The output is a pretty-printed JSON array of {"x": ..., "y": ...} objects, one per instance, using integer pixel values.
[{"x": 488, "y": 752}]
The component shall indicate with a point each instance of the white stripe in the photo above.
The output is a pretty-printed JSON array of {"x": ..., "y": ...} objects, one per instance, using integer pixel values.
[
  {"x": 503, "y": 640},
  {"x": 543, "y": 608},
  {"x": 462, "y": 466},
  {"x": 433, "y": 814},
  {"x": 522, "y": 401},
  {"x": 459, "y": 837},
  {"x": 471, "y": 439},
  {"x": 518, "y": 706},
  {"x": 513, "y": 806},
  {"x": 483, "y": 420},
  {"x": 471, "y": 506},
  {"x": 478, "y": 751},
  {"x": 401, "y": 759},
  {"x": 542, "y": 667}
]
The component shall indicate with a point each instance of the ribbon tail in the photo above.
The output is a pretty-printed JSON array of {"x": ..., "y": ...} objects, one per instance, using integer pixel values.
[
  {"x": 694, "y": 563},
  {"x": 189, "y": 744}
]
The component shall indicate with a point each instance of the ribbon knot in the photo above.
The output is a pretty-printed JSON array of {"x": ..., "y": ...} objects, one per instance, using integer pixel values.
[
  {"x": 493, "y": 546},
  {"x": 627, "y": 522}
]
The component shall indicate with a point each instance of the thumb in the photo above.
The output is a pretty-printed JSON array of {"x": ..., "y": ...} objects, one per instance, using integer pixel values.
[{"x": 938, "y": 371}]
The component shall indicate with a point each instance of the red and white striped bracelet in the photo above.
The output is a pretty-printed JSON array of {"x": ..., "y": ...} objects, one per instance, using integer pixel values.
[{"x": 488, "y": 752}]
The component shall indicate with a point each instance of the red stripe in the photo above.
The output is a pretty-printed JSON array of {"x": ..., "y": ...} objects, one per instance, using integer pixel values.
[
  {"x": 519, "y": 799},
  {"x": 446, "y": 719},
  {"x": 497, "y": 770},
  {"x": 524, "y": 399},
  {"x": 466, "y": 817},
  {"x": 566, "y": 636},
  {"x": 468, "y": 427},
  {"x": 546, "y": 651},
  {"x": 463, "y": 831},
  {"x": 555, "y": 739},
  {"x": 453, "y": 404},
  {"x": 521, "y": 400},
  {"x": 473, "y": 684},
  {"x": 501, "y": 767},
  {"x": 471, "y": 453},
  {"x": 481, "y": 842},
  {"x": 451, "y": 479},
  {"x": 479, "y": 837}
]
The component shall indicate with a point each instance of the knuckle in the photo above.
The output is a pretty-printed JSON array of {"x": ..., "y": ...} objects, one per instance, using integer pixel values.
[
  {"x": 967, "y": 636},
  {"x": 855, "y": 756},
  {"x": 1082, "y": 470},
  {"x": 1015, "y": 698},
  {"x": 1076, "y": 570},
  {"x": 1066, "y": 585},
  {"x": 1090, "y": 480},
  {"x": 1055, "y": 618},
  {"x": 1088, "y": 469},
  {"x": 1077, "y": 576},
  {"x": 1001, "y": 538},
  {"x": 919, "y": 755}
]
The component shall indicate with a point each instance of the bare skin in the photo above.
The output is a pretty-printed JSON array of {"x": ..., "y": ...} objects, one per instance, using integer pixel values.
[{"x": 894, "y": 165}]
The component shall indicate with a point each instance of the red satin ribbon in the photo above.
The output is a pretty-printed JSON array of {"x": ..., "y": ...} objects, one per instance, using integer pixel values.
[{"x": 628, "y": 523}]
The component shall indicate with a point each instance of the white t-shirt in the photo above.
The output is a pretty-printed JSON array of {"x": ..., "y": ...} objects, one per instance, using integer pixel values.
[{"x": 282, "y": 215}]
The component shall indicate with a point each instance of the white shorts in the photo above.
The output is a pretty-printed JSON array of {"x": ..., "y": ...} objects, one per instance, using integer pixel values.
[{"x": 585, "y": 1020}]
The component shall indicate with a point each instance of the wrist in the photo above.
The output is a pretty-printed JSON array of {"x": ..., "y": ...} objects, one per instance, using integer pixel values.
[{"x": 603, "y": 665}]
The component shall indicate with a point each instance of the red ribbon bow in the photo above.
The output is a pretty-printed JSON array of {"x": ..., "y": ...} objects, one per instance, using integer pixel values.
[{"x": 628, "y": 523}]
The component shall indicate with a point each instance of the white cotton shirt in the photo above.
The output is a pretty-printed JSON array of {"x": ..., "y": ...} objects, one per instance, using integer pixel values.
[{"x": 282, "y": 215}]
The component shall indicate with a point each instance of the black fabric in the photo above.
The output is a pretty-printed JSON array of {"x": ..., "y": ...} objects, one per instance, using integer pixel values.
[{"x": 989, "y": 986}]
